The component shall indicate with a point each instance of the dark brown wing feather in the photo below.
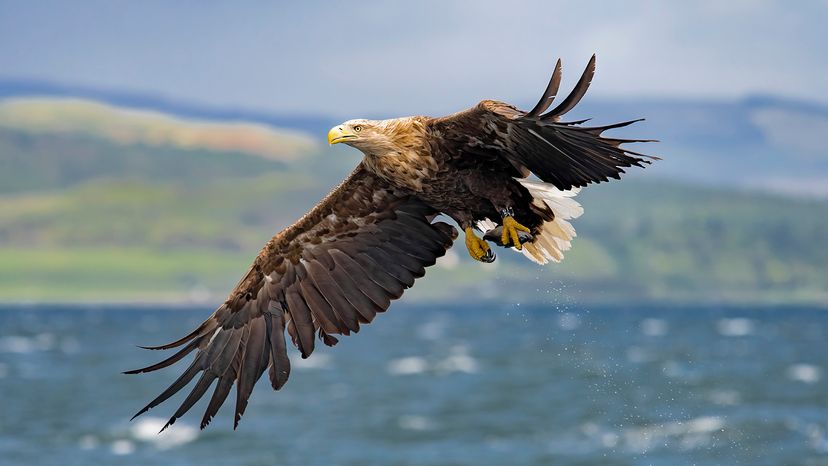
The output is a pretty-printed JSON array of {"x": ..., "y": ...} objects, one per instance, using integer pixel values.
[
  {"x": 565, "y": 154},
  {"x": 337, "y": 267}
]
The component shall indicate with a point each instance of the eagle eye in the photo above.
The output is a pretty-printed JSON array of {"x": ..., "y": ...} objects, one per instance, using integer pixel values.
[{"x": 357, "y": 128}]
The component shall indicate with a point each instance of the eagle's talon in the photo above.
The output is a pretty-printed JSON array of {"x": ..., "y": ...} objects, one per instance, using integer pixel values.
[
  {"x": 478, "y": 248},
  {"x": 510, "y": 234}
]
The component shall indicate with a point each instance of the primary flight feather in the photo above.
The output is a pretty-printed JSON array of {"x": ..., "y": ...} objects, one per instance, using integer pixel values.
[{"x": 374, "y": 234}]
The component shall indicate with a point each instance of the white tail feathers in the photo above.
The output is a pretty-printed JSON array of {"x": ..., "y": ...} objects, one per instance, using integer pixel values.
[{"x": 555, "y": 236}]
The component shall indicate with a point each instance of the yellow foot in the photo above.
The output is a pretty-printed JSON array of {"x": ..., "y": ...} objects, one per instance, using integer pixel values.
[
  {"x": 479, "y": 249},
  {"x": 510, "y": 232}
]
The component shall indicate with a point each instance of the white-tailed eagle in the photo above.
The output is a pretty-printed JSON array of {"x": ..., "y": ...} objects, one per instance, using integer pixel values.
[{"x": 368, "y": 240}]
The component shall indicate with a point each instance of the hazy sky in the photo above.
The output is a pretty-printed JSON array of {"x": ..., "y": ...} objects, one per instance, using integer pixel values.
[{"x": 354, "y": 58}]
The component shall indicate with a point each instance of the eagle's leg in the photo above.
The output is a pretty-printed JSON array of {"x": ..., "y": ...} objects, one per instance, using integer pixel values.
[
  {"x": 501, "y": 192},
  {"x": 478, "y": 248},
  {"x": 511, "y": 229}
]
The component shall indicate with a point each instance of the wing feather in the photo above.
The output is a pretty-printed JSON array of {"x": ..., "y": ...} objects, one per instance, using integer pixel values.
[
  {"x": 280, "y": 363},
  {"x": 360, "y": 278},
  {"x": 380, "y": 275},
  {"x": 181, "y": 382},
  {"x": 550, "y": 93},
  {"x": 577, "y": 93},
  {"x": 255, "y": 358},
  {"x": 328, "y": 321},
  {"x": 170, "y": 360},
  {"x": 365, "y": 307},
  {"x": 219, "y": 362},
  {"x": 345, "y": 312},
  {"x": 225, "y": 382},
  {"x": 301, "y": 318},
  {"x": 396, "y": 269}
]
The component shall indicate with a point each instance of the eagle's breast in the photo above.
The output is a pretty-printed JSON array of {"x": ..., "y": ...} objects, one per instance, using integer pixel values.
[{"x": 410, "y": 170}]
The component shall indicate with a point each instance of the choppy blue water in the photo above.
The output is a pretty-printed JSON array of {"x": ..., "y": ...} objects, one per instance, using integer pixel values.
[{"x": 438, "y": 386}]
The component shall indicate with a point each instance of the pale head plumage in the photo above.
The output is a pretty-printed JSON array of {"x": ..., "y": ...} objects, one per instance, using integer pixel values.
[{"x": 378, "y": 137}]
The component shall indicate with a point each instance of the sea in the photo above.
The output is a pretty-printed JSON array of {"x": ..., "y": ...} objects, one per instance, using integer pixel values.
[{"x": 436, "y": 384}]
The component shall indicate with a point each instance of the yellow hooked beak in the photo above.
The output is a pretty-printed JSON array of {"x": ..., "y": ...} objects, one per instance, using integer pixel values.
[{"x": 339, "y": 134}]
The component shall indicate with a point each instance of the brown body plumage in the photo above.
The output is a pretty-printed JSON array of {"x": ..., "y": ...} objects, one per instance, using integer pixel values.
[{"x": 374, "y": 234}]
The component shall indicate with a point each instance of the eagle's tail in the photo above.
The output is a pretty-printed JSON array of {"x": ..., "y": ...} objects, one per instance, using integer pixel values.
[{"x": 554, "y": 237}]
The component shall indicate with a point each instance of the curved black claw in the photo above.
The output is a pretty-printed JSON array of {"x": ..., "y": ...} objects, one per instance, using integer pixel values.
[{"x": 489, "y": 257}]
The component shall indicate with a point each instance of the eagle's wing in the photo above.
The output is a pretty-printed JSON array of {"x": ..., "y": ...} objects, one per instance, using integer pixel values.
[
  {"x": 335, "y": 268},
  {"x": 565, "y": 154}
]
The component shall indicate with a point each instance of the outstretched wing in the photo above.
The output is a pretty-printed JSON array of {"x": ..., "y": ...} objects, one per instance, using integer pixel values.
[
  {"x": 565, "y": 154},
  {"x": 329, "y": 272}
]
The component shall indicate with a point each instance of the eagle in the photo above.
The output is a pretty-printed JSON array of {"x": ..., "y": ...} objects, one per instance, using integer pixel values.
[{"x": 507, "y": 173}]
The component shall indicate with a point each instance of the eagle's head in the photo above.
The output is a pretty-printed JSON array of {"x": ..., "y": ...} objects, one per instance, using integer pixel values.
[{"x": 375, "y": 137}]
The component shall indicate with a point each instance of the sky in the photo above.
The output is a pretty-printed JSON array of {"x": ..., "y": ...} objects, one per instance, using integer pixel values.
[{"x": 364, "y": 58}]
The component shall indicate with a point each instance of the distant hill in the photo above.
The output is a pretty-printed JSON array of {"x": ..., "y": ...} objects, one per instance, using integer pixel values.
[
  {"x": 761, "y": 142},
  {"x": 150, "y": 128},
  {"x": 103, "y": 203},
  {"x": 54, "y": 143},
  {"x": 764, "y": 143},
  {"x": 313, "y": 124}
]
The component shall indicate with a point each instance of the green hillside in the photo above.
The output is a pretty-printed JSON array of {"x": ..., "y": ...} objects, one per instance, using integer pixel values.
[
  {"x": 31, "y": 162},
  {"x": 48, "y": 144},
  {"x": 113, "y": 240},
  {"x": 87, "y": 218}
]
